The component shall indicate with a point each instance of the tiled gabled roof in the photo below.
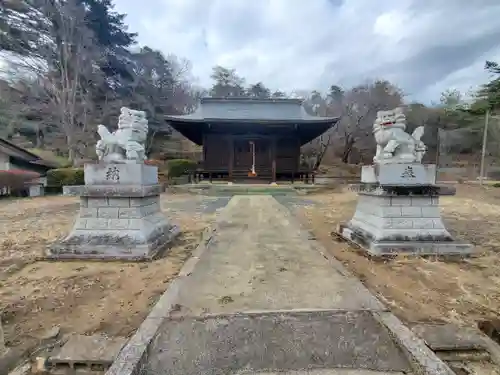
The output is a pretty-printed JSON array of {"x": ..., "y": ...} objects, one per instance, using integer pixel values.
[{"x": 246, "y": 109}]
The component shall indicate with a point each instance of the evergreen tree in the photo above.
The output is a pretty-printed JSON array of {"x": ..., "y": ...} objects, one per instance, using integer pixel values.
[
  {"x": 259, "y": 91},
  {"x": 111, "y": 34},
  {"x": 30, "y": 27},
  {"x": 490, "y": 92},
  {"x": 227, "y": 83}
]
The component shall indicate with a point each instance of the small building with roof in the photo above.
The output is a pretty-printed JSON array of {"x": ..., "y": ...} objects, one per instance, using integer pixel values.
[
  {"x": 251, "y": 138},
  {"x": 15, "y": 159}
]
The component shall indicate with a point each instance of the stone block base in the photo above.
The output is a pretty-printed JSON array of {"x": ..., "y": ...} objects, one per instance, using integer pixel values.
[
  {"x": 388, "y": 223},
  {"x": 116, "y": 228},
  {"x": 409, "y": 247}
]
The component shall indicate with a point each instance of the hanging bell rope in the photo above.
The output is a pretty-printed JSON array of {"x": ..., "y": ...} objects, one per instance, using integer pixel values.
[{"x": 252, "y": 172}]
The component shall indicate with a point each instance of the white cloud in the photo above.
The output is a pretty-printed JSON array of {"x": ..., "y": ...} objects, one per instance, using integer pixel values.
[
  {"x": 392, "y": 25},
  {"x": 422, "y": 45}
]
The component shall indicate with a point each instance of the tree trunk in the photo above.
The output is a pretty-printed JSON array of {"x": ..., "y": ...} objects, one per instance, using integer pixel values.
[
  {"x": 348, "y": 145},
  {"x": 71, "y": 150},
  {"x": 39, "y": 137},
  {"x": 323, "y": 147},
  {"x": 149, "y": 142}
]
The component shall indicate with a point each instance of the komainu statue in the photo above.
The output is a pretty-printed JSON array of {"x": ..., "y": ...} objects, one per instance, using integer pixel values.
[
  {"x": 126, "y": 144},
  {"x": 394, "y": 144}
]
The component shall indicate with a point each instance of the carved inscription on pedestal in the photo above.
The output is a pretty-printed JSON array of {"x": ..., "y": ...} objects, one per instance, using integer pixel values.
[
  {"x": 408, "y": 172},
  {"x": 113, "y": 174}
]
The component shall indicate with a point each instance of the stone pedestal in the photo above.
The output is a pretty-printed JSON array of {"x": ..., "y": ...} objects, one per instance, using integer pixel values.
[
  {"x": 398, "y": 213},
  {"x": 120, "y": 215}
]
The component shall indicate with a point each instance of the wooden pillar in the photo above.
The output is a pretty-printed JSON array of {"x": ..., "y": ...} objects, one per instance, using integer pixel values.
[
  {"x": 230, "y": 141},
  {"x": 204, "y": 145},
  {"x": 297, "y": 165},
  {"x": 273, "y": 159}
]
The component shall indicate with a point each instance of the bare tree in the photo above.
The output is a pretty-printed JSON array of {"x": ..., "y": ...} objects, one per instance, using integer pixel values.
[
  {"x": 358, "y": 109},
  {"x": 321, "y": 146},
  {"x": 20, "y": 113},
  {"x": 63, "y": 71},
  {"x": 316, "y": 150},
  {"x": 9, "y": 114},
  {"x": 161, "y": 86}
]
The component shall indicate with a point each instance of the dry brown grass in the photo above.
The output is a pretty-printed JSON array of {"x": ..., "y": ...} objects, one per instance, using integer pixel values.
[
  {"x": 428, "y": 289},
  {"x": 114, "y": 298},
  {"x": 339, "y": 169},
  {"x": 81, "y": 297}
]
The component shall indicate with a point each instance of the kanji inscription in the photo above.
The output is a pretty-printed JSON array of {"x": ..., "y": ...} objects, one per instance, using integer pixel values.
[
  {"x": 113, "y": 174},
  {"x": 408, "y": 172}
]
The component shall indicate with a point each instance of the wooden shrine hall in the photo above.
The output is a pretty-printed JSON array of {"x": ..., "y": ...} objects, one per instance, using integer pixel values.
[{"x": 246, "y": 138}]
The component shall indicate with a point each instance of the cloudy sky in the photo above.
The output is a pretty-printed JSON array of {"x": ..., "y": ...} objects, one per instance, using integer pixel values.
[{"x": 424, "y": 46}]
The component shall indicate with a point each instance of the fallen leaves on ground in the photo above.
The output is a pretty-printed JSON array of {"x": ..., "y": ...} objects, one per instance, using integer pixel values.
[
  {"x": 426, "y": 289},
  {"x": 81, "y": 297}
]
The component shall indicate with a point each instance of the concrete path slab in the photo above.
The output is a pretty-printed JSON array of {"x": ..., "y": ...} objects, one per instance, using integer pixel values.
[
  {"x": 323, "y": 372},
  {"x": 291, "y": 341},
  {"x": 261, "y": 298},
  {"x": 260, "y": 260},
  {"x": 194, "y": 204}
]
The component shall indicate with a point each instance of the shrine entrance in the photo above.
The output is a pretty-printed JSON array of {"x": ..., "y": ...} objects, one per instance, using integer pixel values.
[{"x": 252, "y": 158}]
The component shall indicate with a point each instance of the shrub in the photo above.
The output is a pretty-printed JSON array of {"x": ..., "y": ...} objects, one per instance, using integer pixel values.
[
  {"x": 65, "y": 177},
  {"x": 179, "y": 167},
  {"x": 16, "y": 178}
]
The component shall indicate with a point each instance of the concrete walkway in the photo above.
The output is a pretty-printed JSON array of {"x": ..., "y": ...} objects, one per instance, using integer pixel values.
[
  {"x": 260, "y": 260},
  {"x": 262, "y": 299}
]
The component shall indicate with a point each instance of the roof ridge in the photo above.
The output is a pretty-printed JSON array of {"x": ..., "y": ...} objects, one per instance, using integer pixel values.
[{"x": 209, "y": 99}]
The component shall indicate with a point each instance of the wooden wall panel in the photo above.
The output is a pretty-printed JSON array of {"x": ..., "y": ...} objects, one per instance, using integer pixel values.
[
  {"x": 217, "y": 153},
  {"x": 287, "y": 155}
]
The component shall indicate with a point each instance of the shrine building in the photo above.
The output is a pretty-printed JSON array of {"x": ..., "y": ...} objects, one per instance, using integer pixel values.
[{"x": 246, "y": 138}]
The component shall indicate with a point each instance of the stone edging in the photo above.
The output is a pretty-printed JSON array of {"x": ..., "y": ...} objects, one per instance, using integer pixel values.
[
  {"x": 421, "y": 358},
  {"x": 134, "y": 355}
]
